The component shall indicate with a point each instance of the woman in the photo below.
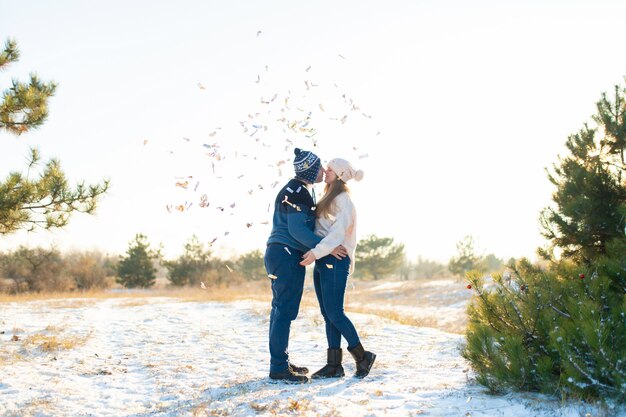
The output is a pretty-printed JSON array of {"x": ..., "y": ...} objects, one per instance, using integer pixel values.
[{"x": 336, "y": 223}]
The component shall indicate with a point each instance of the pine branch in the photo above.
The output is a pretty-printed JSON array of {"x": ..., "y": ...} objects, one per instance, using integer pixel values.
[
  {"x": 589, "y": 377},
  {"x": 559, "y": 311},
  {"x": 10, "y": 53}
]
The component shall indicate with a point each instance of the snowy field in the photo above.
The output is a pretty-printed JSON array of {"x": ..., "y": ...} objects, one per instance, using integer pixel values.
[{"x": 168, "y": 357}]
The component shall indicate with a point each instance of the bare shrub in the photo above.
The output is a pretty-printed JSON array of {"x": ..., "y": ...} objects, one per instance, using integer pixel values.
[
  {"x": 35, "y": 269},
  {"x": 89, "y": 270}
]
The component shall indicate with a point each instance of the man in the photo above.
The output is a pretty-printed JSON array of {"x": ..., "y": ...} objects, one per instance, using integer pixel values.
[{"x": 292, "y": 235}]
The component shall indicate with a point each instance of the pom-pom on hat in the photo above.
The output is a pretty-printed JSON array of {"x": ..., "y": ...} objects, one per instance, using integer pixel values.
[
  {"x": 306, "y": 164},
  {"x": 344, "y": 170}
]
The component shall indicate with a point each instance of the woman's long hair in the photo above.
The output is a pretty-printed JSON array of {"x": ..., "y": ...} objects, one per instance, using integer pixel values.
[{"x": 331, "y": 191}]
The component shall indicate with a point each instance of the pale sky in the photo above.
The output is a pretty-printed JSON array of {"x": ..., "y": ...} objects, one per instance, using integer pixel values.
[{"x": 454, "y": 109}]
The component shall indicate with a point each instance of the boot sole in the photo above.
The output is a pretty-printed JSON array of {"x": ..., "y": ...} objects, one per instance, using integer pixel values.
[
  {"x": 341, "y": 375},
  {"x": 288, "y": 381}
]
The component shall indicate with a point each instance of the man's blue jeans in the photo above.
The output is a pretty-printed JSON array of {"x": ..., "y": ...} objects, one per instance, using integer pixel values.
[
  {"x": 330, "y": 277},
  {"x": 287, "y": 287}
]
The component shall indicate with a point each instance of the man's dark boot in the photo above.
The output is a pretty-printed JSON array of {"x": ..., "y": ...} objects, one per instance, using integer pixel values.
[
  {"x": 364, "y": 360},
  {"x": 302, "y": 370},
  {"x": 289, "y": 376},
  {"x": 333, "y": 368}
]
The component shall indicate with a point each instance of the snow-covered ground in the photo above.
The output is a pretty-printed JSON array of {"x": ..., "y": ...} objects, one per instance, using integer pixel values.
[{"x": 167, "y": 357}]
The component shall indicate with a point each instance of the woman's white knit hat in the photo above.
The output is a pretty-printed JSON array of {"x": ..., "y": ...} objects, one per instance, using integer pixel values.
[{"x": 344, "y": 170}]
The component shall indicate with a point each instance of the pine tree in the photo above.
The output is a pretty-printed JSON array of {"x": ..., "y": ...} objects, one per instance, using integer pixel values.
[
  {"x": 466, "y": 259},
  {"x": 48, "y": 200},
  {"x": 136, "y": 269},
  {"x": 192, "y": 266},
  {"x": 590, "y": 197},
  {"x": 376, "y": 256},
  {"x": 252, "y": 265},
  {"x": 561, "y": 329}
]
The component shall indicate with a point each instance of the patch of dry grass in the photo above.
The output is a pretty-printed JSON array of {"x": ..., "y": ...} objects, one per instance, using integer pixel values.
[
  {"x": 53, "y": 343},
  {"x": 9, "y": 358},
  {"x": 361, "y": 296},
  {"x": 38, "y": 296},
  {"x": 397, "y": 317},
  {"x": 38, "y": 406},
  {"x": 254, "y": 290}
]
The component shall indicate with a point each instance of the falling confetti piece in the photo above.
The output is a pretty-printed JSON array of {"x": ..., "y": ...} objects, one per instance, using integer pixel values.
[
  {"x": 183, "y": 184},
  {"x": 258, "y": 33},
  {"x": 322, "y": 107},
  {"x": 212, "y": 134},
  {"x": 145, "y": 142},
  {"x": 363, "y": 156},
  {"x": 258, "y": 79},
  {"x": 343, "y": 119},
  {"x": 341, "y": 56},
  {"x": 228, "y": 267},
  {"x": 248, "y": 225},
  {"x": 270, "y": 276},
  {"x": 308, "y": 68},
  {"x": 287, "y": 249},
  {"x": 329, "y": 266},
  {"x": 202, "y": 285},
  {"x": 204, "y": 201},
  {"x": 201, "y": 87}
]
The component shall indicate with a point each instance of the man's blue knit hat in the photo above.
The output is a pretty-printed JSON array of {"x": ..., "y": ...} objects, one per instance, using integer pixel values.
[{"x": 307, "y": 165}]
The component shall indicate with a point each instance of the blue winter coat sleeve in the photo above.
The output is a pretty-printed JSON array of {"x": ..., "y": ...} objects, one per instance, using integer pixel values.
[{"x": 299, "y": 229}]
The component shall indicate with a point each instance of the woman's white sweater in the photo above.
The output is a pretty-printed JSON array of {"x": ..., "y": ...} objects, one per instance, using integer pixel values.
[{"x": 339, "y": 228}]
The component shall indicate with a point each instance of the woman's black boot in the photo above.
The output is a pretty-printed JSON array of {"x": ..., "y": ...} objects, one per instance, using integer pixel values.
[
  {"x": 364, "y": 360},
  {"x": 333, "y": 368}
]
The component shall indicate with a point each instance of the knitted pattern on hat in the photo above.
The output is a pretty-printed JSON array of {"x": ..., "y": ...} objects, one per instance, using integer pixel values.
[{"x": 306, "y": 165}]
